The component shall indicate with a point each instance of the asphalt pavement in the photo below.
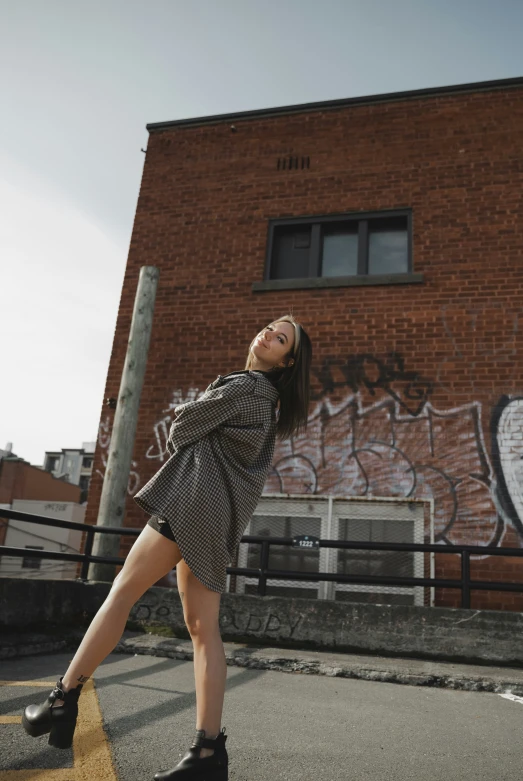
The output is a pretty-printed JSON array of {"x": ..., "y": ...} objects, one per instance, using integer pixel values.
[{"x": 138, "y": 716}]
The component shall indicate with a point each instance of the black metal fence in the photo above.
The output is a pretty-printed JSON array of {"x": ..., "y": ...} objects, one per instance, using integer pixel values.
[{"x": 263, "y": 573}]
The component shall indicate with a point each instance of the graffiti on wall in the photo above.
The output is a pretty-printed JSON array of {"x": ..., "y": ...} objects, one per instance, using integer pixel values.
[
  {"x": 507, "y": 455},
  {"x": 407, "y": 388},
  {"x": 104, "y": 440},
  {"x": 158, "y": 450},
  {"x": 385, "y": 438}
]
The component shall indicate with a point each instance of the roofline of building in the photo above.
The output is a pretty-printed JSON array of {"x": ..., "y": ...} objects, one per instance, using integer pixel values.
[
  {"x": 68, "y": 449},
  {"x": 331, "y": 105}
]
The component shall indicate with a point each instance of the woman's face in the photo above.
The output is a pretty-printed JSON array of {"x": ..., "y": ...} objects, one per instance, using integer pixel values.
[{"x": 272, "y": 345}]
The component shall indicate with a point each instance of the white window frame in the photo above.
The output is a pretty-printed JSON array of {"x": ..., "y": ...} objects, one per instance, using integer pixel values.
[
  {"x": 330, "y": 509},
  {"x": 354, "y": 508}
]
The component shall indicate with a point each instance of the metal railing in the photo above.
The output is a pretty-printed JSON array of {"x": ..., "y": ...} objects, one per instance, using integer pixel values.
[
  {"x": 263, "y": 573},
  {"x": 86, "y": 557}
]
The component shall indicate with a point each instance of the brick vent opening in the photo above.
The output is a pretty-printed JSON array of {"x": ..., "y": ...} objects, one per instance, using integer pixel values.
[{"x": 290, "y": 163}]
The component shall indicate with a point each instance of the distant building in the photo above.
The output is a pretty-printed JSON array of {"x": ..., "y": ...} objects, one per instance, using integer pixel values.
[
  {"x": 74, "y": 465},
  {"x": 35, "y": 536},
  {"x": 21, "y": 481}
]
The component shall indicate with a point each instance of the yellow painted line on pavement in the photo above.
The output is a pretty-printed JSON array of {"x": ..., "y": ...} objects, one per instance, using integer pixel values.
[
  {"x": 10, "y": 719},
  {"x": 92, "y": 755}
]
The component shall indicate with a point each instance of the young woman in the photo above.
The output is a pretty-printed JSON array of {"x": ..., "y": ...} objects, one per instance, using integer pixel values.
[{"x": 201, "y": 500}]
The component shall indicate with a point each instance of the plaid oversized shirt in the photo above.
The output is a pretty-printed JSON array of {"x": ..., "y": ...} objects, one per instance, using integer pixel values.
[{"x": 220, "y": 452}]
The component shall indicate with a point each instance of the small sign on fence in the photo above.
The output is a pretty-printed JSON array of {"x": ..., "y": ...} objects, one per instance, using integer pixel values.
[{"x": 306, "y": 541}]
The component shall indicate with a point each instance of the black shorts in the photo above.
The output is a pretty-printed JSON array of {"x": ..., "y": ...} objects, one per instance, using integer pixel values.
[{"x": 161, "y": 526}]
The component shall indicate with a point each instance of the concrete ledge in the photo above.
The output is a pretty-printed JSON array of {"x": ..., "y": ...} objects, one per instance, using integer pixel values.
[
  {"x": 403, "y": 671},
  {"x": 486, "y": 637},
  {"x": 410, "y": 672},
  {"x": 35, "y": 644},
  {"x": 471, "y": 636}
]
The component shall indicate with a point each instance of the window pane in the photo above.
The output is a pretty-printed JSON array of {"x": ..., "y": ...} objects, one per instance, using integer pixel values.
[
  {"x": 366, "y": 562},
  {"x": 290, "y": 254},
  {"x": 340, "y": 253},
  {"x": 388, "y": 247}
]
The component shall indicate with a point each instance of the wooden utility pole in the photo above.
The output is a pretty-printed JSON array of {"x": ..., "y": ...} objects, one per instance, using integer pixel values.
[{"x": 114, "y": 490}]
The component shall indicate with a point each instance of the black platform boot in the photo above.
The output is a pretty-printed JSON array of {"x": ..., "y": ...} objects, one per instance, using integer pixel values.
[
  {"x": 60, "y": 721},
  {"x": 193, "y": 768}
]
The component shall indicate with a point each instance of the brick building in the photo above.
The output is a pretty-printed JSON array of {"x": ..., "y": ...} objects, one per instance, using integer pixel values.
[
  {"x": 392, "y": 227},
  {"x": 20, "y": 480}
]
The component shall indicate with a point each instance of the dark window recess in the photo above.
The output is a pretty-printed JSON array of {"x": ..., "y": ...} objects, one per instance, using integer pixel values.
[
  {"x": 284, "y": 557},
  {"x": 87, "y": 462},
  {"x": 30, "y": 562},
  {"x": 363, "y": 245},
  {"x": 84, "y": 485},
  {"x": 291, "y": 163},
  {"x": 291, "y": 252},
  {"x": 367, "y": 562},
  {"x": 52, "y": 463}
]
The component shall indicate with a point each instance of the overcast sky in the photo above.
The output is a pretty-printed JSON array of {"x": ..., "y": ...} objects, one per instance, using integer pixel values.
[{"x": 80, "y": 80}]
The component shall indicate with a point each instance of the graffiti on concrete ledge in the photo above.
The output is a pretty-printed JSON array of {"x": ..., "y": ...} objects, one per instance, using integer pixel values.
[{"x": 162, "y": 609}]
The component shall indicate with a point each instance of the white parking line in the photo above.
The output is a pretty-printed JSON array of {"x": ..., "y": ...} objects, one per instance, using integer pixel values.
[{"x": 509, "y": 696}]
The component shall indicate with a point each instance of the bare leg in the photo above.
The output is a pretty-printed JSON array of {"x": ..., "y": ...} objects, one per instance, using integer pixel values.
[
  {"x": 201, "y": 608},
  {"x": 151, "y": 557}
]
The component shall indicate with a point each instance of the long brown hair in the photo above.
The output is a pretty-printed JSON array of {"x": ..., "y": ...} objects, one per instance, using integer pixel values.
[{"x": 292, "y": 382}]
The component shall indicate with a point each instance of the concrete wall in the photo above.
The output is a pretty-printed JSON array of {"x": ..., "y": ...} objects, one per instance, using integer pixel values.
[{"x": 489, "y": 636}]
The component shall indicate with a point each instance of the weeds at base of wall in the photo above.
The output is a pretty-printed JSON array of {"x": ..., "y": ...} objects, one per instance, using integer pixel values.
[{"x": 162, "y": 630}]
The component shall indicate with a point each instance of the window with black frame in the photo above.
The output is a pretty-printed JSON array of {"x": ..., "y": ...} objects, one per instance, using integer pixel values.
[{"x": 363, "y": 245}]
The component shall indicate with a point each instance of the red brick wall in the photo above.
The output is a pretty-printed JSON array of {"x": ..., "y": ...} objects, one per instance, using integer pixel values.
[
  {"x": 20, "y": 480},
  {"x": 445, "y": 352}
]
